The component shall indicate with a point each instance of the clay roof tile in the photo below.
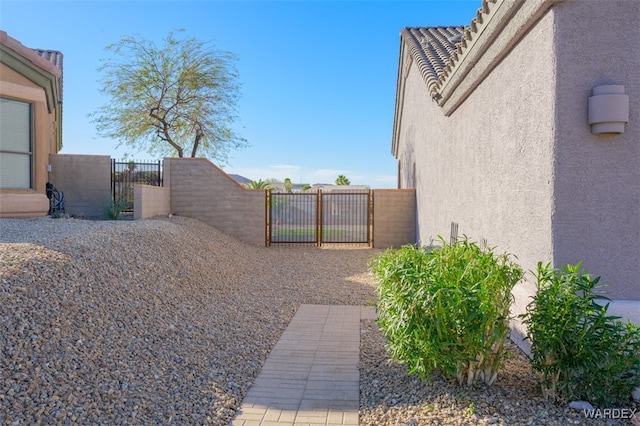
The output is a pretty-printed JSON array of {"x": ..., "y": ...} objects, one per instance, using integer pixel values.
[{"x": 437, "y": 50}]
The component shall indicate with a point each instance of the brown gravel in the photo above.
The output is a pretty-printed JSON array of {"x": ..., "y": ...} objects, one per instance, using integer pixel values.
[
  {"x": 167, "y": 321},
  {"x": 163, "y": 321}
]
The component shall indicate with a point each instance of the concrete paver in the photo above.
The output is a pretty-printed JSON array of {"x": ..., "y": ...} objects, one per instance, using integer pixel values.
[{"x": 311, "y": 376}]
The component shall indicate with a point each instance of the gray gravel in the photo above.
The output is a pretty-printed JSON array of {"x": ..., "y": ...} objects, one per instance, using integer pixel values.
[
  {"x": 162, "y": 321},
  {"x": 167, "y": 321},
  {"x": 389, "y": 396}
]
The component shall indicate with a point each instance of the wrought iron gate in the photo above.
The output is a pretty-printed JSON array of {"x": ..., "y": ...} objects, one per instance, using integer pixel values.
[
  {"x": 320, "y": 217},
  {"x": 124, "y": 174}
]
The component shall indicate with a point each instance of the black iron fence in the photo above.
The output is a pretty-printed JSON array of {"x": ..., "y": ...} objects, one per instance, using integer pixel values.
[
  {"x": 319, "y": 217},
  {"x": 124, "y": 174}
]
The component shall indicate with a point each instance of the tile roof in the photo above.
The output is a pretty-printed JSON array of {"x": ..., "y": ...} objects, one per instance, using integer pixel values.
[
  {"x": 437, "y": 50},
  {"x": 432, "y": 49},
  {"x": 48, "y": 60},
  {"x": 52, "y": 56}
]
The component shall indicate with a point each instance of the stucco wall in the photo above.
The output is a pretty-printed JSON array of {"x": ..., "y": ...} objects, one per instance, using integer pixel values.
[
  {"x": 516, "y": 162},
  {"x": 597, "y": 178},
  {"x": 30, "y": 203},
  {"x": 85, "y": 181},
  {"x": 394, "y": 217},
  {"x": 202, "y": 191},
  {"x": 488, "y": 166}
]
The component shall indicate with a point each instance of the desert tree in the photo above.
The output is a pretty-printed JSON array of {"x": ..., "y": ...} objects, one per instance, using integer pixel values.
[{"x": 176, "y": 98}]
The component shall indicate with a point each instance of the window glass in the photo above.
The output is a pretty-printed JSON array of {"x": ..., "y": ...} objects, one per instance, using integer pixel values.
[{"x": 15, "y": 144}]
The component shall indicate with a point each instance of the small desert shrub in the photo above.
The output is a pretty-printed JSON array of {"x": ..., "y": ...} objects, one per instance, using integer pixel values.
[
  {"x": 580, "y": 352},
  {"x": 114, "y": 208},
  {"x": 446, "y": 309}
]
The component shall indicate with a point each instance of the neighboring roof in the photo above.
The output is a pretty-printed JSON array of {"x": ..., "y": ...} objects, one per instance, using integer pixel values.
[
  {"x": 327, "y": 187},
  {"x": 295, "y": 187},
  {"x": 239, "y": 178}
]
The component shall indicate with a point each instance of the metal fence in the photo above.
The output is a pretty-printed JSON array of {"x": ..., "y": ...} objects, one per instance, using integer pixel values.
[
  {"x": 319, "y": 217},
  {"x": 124, "y": 174}
]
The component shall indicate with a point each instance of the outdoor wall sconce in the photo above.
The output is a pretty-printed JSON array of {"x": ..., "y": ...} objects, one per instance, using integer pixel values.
[{"x": 608, "y": 110}]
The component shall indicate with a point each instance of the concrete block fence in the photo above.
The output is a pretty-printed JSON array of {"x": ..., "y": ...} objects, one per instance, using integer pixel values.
[
  {"x": 85, "y": 181},
  {"x": 196, "y": 188},
  {"x": 149, "y": 201},
  {"x": 394, "y": 217},
  {"x": 201, "y": 190}
]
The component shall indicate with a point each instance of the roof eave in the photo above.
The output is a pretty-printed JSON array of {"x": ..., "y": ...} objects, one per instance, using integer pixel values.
[
  {"x": 400, "y": 82},
  {"x": 497, "y": 27},
  {"x": 489, "y": 39},
  {"x": 412, "y": 54},
  {"x": 40, "y": 71},
  {"x": 27, "y": 62}
]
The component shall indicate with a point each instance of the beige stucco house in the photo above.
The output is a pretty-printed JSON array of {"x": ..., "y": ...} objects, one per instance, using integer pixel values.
[
  {"x": 499, "y": 130},
  {"x": 30, "y": 125}
]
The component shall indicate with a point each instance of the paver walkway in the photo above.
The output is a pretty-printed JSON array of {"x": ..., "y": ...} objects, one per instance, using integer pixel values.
[{"x": 311, "y": 376}]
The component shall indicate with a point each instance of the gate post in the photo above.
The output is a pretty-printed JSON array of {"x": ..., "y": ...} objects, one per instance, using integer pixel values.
[
  {"x": 319, "y": 218},
  {"x": 113, "y": 181},
  {"x": 370, "y": 210},
  {"x": 267, "y": 217}
]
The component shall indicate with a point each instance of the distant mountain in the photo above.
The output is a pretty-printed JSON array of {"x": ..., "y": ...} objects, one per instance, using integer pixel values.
[{"x": 240, "y": 179}]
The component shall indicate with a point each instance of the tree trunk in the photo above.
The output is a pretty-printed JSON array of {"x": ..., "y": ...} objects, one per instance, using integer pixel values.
[{"x": 196, "y": 141}]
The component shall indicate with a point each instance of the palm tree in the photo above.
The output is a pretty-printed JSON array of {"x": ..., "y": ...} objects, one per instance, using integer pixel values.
[
  {"x": 288, "y": 185},
  {"x": 259, "y": 184},
  {"x": 342, "y": 180}
]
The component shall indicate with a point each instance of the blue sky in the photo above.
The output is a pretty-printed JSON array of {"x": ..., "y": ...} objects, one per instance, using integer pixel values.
[{"x": 318, "y": 77}]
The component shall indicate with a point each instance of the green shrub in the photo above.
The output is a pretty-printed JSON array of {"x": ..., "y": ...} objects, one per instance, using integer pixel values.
[
  {"x": 580, "y": 351},
  {"x": 113, "y": 209},
  {"x": 446, "y": 309}
]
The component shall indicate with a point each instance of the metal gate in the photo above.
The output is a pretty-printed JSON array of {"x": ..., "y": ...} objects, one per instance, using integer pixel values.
[
  {"x": 320, "y": 217},
  {"x": 124, "y": 174}
]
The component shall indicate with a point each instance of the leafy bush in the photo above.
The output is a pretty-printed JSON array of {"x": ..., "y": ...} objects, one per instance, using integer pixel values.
[
  {"x": 113, "y": 209},
  {"x": 580, "y": 351},
  {"x": 446, "y": 309}
]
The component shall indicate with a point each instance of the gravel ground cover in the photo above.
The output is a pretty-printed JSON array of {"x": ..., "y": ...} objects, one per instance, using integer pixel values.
[
  {"x": 168, "y": 321},
  {"x": 389, "y": 396},
  {"x": 162, "y": 321}
]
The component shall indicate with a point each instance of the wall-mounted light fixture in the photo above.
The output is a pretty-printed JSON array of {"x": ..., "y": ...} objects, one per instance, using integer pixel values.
[{"x": 608, "y": 110}]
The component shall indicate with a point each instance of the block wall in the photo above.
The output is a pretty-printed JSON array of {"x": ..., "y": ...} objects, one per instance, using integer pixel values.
[
  {"x": 150, "y": 201},
  {"x": 85, "y": 181},
  {"x": 394, "y": 217},
  {"x": 202, "y": 191}
]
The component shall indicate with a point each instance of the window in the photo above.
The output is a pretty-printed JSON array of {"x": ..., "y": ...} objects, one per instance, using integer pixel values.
[{"x": 15, "y": 145}]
